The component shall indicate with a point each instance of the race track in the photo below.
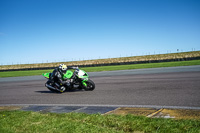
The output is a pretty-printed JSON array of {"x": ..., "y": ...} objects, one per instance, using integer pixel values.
[{"x": 174, "y": 86}]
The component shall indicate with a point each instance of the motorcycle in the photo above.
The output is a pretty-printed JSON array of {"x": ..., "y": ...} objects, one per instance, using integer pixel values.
[{"x": 78, "y": 79}]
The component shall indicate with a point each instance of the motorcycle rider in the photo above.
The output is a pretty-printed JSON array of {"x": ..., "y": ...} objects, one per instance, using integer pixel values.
[{"x": 56, "y": 77}]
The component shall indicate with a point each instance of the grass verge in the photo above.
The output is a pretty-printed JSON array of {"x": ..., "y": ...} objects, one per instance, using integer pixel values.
[
  {"x": 141, "y": 66},
  {"x": 21, "y": 121},
  {"x": 105, "y": 68}
]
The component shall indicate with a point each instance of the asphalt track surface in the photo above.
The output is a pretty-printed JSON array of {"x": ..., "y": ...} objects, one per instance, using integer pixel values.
[{"x": 156, "y": 87}]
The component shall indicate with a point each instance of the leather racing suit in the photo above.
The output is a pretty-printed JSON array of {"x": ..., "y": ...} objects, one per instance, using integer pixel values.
[{"x": 56, "y": 77}]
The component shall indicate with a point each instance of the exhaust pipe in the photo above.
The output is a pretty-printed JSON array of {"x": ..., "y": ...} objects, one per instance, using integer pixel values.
[{"x": 49, "y": 86}]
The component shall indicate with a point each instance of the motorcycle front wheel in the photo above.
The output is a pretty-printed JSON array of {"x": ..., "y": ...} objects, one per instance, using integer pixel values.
[{"x": 90, "y": 85}]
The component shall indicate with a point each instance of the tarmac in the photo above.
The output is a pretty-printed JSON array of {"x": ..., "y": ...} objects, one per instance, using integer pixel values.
[
  {"x": 181, "y": 78},
  {"x": 137, "y": 111}
]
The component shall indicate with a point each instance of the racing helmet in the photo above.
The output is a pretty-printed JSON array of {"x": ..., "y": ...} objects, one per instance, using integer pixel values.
[{"x": 62, "y": 68}]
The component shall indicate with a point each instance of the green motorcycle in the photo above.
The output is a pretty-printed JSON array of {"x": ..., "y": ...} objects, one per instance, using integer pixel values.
[{"x": 78, "y": 79}]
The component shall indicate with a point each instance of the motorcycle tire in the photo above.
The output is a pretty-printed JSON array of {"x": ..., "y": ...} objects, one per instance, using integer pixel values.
[
  {"x": 49, "y": 82},
  {"x": 90, "y": 85}
]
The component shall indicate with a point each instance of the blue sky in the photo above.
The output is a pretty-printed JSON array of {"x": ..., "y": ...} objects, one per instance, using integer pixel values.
[{"x": 34, "y": 31}]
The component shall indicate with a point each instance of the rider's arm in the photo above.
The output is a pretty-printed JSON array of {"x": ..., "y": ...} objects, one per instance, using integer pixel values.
[{"x": 59, "y": 76}]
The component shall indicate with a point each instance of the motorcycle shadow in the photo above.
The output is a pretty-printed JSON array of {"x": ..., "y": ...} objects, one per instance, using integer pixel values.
[{"x": 67, "y": 91}]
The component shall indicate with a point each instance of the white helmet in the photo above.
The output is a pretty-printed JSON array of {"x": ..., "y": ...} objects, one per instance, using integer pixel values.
[{"x": 62, "y": 68}]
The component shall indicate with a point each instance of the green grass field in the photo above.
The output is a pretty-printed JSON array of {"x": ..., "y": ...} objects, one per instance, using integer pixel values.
[
  {"x": 34, "y": 122},
  {"x": 105, "y": 68},
  {"x": 141, "y": 66}
]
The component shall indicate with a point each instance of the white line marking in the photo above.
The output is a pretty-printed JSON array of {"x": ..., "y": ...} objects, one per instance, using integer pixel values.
[
  {"x": 107, "y": 105},
  {"x": 155, "y": 113},
  {"x": 77, "y": 110}
]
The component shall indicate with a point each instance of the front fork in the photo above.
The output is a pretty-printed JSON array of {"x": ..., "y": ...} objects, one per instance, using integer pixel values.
[{"x": 84, "y": 82}]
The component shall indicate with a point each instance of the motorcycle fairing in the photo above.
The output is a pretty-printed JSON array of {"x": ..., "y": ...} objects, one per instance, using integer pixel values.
[
  {"x": 46, "y": 75},
  {"x": 67, "y": 75},
  {"x": 82, "y": 74}
]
